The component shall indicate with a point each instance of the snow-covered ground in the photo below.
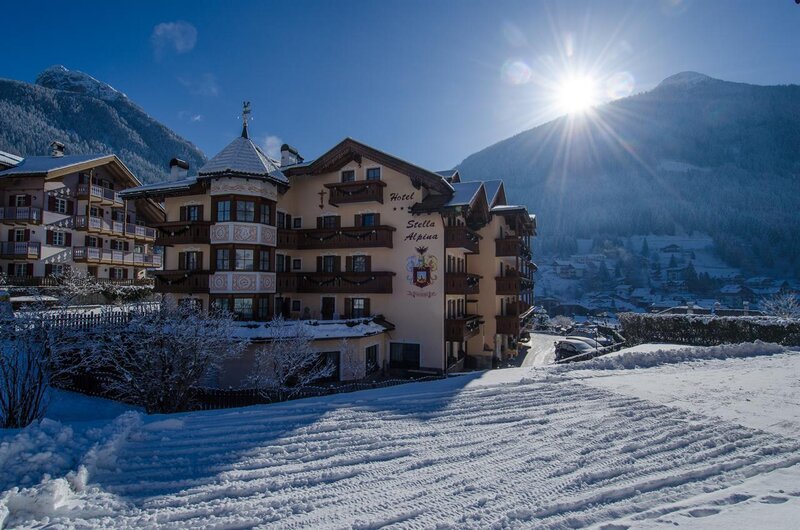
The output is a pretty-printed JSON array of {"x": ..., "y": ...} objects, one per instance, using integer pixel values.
[{"x": 705, "y": 437}]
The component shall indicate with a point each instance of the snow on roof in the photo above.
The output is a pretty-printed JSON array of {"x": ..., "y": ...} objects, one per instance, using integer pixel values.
[
  {"x": 465, "y": 192},
  {"x": 8, "y": 159},
  {"x": 492, "y": 188},
  {"x": 41, "y": 165},
  {"x": 731, "y": 289},
  {"x": 242, "y": 157},
  {"x": 508, "y": 208},
  {"x": 160, "y": 186},
  {"x": 319, "y": 329}
]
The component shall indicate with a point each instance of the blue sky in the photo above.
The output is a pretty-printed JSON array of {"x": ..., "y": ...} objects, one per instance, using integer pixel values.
[{"x": 430, "y": 81}]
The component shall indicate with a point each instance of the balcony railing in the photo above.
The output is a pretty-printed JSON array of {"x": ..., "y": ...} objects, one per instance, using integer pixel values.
[
  {"x": 98, "y": 224},
  {"x": 116, "y": 257},
  {"x": 461, "y": 283},
  {"x": 105, "y": 195},
  {"x": 20, "y": 214},
  {"x": 20, "y": 250},
  {"x": 53, "y": 281},
  {"x": 461, "y": 329},
  {"x": 512, "y": 285},
  {"x": 507, "y": 324},
  {"x": 355, "y": 191},
  {"x": 337, "y": 282},
  {"x": 179, "y": 233},
  {"x": 181, "y": 281},
  {"x": 462, "y": 237},
  {"x": 329, "y": 238}
]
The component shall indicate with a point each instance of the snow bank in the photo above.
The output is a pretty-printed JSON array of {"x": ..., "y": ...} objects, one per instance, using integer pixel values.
[{"x": 648, "y": 359}]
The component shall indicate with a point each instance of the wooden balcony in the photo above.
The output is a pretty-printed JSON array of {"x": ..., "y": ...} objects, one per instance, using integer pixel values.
[
  {"x": 99, "y": 195},
  {"x": 20, "y": 215},
  {"x": 115, "y": 257},
  {"x": 53, "y": 281},
  {"x": 512, "y": 285},
  {"x": 183, "y": 232},
  {"x": 331, "y": 238},
  {"x": 508, "y": 246},
  {"x": 20, "y": 250},
  {"x": 461, "y": 329},
  {"x": 338, "y": 282},
  {"x": 463, "y": 238},
  {"x": 181, "y": 281},
  {"x": 355, "y": 191},
  {"x": 508, "y": 324},
  {"x": 461, "y": 283},
  {"x": 99, "y": 225}
]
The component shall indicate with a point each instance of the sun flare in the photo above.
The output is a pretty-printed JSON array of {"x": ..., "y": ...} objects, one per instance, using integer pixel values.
[{"x": 577, "y": 94}]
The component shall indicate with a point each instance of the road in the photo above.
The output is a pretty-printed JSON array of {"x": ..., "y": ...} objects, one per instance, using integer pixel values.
[{"x": 540, "y": 349}]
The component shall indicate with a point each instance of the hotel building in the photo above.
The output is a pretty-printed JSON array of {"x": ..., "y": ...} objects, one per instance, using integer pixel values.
[
  {"x": 65, "y": 211},
  {"x": 352, "y": 239}
]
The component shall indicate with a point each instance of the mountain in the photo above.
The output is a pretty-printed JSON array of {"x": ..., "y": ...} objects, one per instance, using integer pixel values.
[
  {"x": 693, "y": 154},
  {"x": 88, "y": 116}
]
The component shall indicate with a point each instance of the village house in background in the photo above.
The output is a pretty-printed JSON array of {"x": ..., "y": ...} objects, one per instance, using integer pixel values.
[
  {"x": 419, "y": 271},
  {"x": 64, "y": 211}
]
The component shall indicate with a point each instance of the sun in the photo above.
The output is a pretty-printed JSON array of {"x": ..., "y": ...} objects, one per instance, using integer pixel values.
[{"x": 576, "y": 94}]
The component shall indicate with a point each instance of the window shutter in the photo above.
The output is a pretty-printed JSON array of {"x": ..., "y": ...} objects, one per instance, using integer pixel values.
[
  {"x": 337, "y": 264},
  {"x": 125, "y": 274},
  {"x": 213, "y": 211},
  {"x": 319, "y": 260},
  {"x": 348, "y": 264},
  {"x": 200, "y": 213},
  {"x": 27, "y": 235},
  {"x": 68, "y": 239},
  {"x": 377, "y": 219},
  {"x": 28, "y": 200},
  {"x": 48, "y": 269},
  {"x": 11, "y": 235},
  {"x": 337, "y": 221},
  {"x": 70, "y": 208},
  {"x": 288, "y": 221},
  {"x": 11, "y": 201},
  {"x": 348, "y": 307},
  {"x": 182, "y": 213},
  {"x": 288, "y": 263},
  {"x": 368, "y": 263},
  {"x": 319, "y": 222},
  {"x": 29, "y": 269},
  {"x": 357, "y": 221},
  {"x": 51, "y": 203},
  {"x": 49, "y": 237},
  {"x": 200, "y": 260},
  {"x": 182, "y": 261},
  {"x": 367, "y": 311}
]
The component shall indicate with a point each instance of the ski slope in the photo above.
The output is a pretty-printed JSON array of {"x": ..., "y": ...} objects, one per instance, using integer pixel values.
[{"x": 531, "y": 447}]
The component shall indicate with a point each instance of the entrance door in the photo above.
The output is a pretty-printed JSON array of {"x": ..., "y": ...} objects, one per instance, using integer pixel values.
[{"x": 328, "y": 307}]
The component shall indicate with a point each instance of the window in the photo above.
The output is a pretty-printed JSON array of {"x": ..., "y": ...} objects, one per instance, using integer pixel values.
[
  {"x": 219, "y": 304},
  {"x": 282, "y": 220},
  {"x": 243, "y": 308},
  {"x": 20, "y": 269},
  {"x": 20, "y": 200},
  {"x": 59, "y": 239},
  {"x": 194, "y": 213},
  {"x": 359, "y": 264},
  {"x": 61, "y": 205},
  {"x": 348, "y": 175},
  {"x": 297, "y": 264},
  {"x": 373, "y": 173},
  {"x": 263, "y": 262},
  {"x": 279, "y": 263},
  {"x": 359, "y": 308},
  {"x": 58, "y": 269},
  {"x": 223, "y": 259},
  {"x": 330, "y": 221},
  {"x": 245, "y": 211},
  {"x": 244, "y": 259},
  {"x": 117, "y": 245},
  {"x": 265, "y": 214},
  {"x": 403, "y": 355},
  {"x": 297, "y": 222},
  {"x": 139, "y": 249},
  {"x": 328, "y": 263},
  {"x": 92, "y": 242},
  {"x": 193, "y": 261},
  {"x": 371, "y": 355},
  {"x": 223, "y": 211},
  {"x": 191, "y": 303},
  {"x": 369, "y": 219},
  {"x": 263, "y": 308},
  {"x": 19, "y": 235},
  {"x": 296, "y": 305},
  {"x": 117, "y": 273},
  {"x": 94, "y": 211}
]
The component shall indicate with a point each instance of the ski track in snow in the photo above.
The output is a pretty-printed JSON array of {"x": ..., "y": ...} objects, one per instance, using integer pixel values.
[{"x": 547, "y": 454}]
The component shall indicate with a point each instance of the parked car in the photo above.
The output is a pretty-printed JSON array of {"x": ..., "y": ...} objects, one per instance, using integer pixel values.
[
  {"x": 571, "y": 347},
  {"x": 588, "y": 340}
]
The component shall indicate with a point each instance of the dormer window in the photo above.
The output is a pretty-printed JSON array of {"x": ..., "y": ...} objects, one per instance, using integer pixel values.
[
  {"x": 348, "y": 175},
  {"x": 373, "y": 173}
]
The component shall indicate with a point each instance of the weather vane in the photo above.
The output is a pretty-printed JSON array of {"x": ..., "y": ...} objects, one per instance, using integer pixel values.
[{"x": 245, "y": 117}]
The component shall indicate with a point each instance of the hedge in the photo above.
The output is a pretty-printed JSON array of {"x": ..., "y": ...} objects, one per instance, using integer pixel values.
[{"x": 707, "y": 330}]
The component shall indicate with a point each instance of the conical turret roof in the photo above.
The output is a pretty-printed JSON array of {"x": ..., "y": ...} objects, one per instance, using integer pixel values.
[{"x": 243, "y": 157}]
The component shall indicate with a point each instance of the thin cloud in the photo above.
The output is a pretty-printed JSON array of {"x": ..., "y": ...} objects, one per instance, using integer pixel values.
[
  {"x": 205, "y": 85},
  {"x": 185, "y": 115},
  {"x": 178, "y": 37},
  {"x": 272, "y": 146}
]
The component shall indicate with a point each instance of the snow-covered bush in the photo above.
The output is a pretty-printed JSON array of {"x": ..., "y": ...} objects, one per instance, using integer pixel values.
[
  {"x": 561, "y": 321},
  {"x": 708, "y": 330},
  {"x": 782, "y": 305},
  {"x": 157, "y": 356},
  {"x": 289, "y": 361}
]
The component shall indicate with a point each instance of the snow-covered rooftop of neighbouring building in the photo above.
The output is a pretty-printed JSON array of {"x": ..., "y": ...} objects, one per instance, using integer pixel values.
[
  {"x": 160, "y": 186},
  {"x": 41, "y": 165},
  {"x": 492, "y": 187},
  {"x": 9, "y": 159},
  {"x": 508, "y": 208},
  {"x": 243, "y": 157},
  {"x": 730, "y": 289},
  {"x": 318, "y": 329}
]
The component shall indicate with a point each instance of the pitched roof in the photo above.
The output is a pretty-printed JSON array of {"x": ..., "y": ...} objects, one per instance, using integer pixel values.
[
  {"x": 8, "y": 160},
  {"x": 492, "y": 189},
  {"x": 242, "y": 157},
  {"x": 465, "y": 193},
  {"x": 159, "y": 186},
  {"x": 42, "y": 165}
]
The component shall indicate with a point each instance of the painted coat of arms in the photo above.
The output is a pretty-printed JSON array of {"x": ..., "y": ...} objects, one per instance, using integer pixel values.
[{"x": 422, "y": 268}]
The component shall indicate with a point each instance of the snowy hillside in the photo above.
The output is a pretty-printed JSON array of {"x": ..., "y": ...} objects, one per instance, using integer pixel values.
[
  {"x": 707, "y": 437},
  {"x": 88, "y": 116}
]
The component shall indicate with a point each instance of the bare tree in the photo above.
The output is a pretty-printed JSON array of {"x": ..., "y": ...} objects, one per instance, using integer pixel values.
[
  {"x": 782, "y": 305},
  {"x": 289, "y": 361},
  {"x": 157, "y": 356},
  {"x": 561, "y": 321}
]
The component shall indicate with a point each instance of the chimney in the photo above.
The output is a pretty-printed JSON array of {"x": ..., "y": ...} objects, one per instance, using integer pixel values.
[
  {"x": 178, "y": 169},
  {"x": 289, "y": 156},
  {"x": 56, "y": 149}
]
